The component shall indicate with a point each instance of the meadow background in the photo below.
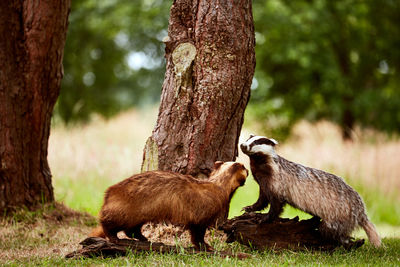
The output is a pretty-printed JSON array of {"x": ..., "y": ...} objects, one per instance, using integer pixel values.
[{"x": 86, "y": 159}]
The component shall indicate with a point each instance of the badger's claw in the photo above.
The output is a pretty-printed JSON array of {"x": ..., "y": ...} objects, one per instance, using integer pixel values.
[
  {"x": 266, "y": 218},
  {"x": 248, "y": 209}
]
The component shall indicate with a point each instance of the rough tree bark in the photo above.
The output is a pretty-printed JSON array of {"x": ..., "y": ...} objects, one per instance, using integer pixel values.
[
  {"x": 31, "y": 49},
  {"x": 210, "y": 65}
]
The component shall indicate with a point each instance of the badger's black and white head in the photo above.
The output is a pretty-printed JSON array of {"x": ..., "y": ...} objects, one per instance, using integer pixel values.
[{"x": 259, "y": 144}]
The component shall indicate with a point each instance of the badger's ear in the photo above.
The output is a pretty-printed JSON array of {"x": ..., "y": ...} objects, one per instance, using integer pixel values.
[
  {"x": 272, "y": 142},
  {"x": 252, "y": 135},
  {"x": 218, "y": 164}
]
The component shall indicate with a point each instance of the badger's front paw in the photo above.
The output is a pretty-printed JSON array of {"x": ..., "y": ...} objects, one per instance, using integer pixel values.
[
  {"x": 266, "y": 218},
  {"x": 249, "y": 208}
]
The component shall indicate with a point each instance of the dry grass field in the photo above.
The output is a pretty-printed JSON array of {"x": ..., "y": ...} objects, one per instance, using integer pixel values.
[{"x": 113, "y": 149}]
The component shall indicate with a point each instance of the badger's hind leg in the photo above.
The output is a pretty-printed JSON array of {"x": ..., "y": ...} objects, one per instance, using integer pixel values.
[
  {"x": 336, "y": 231},
  {"x": 274, "y": 212},
  {"x": 136, "y": 232}
]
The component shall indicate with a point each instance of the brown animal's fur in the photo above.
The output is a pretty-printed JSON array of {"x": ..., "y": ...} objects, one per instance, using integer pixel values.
[
  {"x": 314, "y": 191},
  {"x": 161, "y": 196}
]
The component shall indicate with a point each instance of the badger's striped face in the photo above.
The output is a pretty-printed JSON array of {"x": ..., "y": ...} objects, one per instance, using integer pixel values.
[{"x": 259, "y": 144}]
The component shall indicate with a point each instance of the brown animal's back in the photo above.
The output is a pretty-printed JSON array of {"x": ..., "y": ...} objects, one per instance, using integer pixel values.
[{"x": 164, "y": 196}]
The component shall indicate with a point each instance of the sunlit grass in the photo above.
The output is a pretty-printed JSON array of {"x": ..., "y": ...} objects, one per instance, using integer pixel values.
[{"x": 82, "y": 194}]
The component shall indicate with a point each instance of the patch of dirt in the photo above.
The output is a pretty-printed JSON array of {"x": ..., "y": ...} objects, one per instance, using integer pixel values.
[{"x": 53, "y": 230}]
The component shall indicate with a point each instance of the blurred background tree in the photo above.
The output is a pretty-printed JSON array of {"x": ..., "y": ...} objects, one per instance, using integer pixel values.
[
  {"x": 316, "y": 59},
  {"x": 113, "y": 57},
  {"x": 321, "y": 59}
]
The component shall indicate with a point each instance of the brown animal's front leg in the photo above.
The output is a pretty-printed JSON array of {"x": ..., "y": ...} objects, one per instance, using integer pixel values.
[
  {"x": 261, "y": 203},
  {"x": 136, "y": 232},
  {"x": 197, "y": 233},
  {"x": 275, "y": 210},
  {"x": 110, "y": 230}
]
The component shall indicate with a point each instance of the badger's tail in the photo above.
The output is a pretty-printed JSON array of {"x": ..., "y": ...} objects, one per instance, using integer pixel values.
[
  {"x": 371, "y": 233},
  {"x": 97, "y": 232}
]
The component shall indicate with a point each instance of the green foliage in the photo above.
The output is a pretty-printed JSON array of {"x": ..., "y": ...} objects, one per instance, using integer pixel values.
[
  {"x": 113, "y": 57},
  {"x": 319, "y": 59},
  {"x": 337, "y": 60}
]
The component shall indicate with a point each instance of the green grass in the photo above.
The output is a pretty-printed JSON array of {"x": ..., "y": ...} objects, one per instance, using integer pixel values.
[
  {"x": 382, "y": 208},
  {"x": 82, "y": 194},
  {"x": 364, "y": 256}
]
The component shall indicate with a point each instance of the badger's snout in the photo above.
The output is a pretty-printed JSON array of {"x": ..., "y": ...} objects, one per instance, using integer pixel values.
[{"x": 244, "y": 147}]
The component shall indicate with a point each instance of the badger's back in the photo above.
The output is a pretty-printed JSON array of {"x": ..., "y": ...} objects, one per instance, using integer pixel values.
[{"x": 319, "y": 193}]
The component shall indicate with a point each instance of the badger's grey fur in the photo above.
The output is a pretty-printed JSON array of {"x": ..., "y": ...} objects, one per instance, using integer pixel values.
[{"x": 314, "y": 191}]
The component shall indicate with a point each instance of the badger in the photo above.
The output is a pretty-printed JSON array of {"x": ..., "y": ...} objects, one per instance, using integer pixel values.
[
  {"x": 163, "y": 196},
  {"x": 313, "y": 191}
]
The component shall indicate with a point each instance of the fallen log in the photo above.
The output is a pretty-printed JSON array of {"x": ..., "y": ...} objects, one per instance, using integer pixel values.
[
  {"x": 97, "y": 246},
  {"x": 280, "y": 234}
]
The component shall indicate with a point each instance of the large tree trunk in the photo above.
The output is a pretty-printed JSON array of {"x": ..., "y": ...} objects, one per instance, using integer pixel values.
[
  {"x": 31, "y": 50},
  {"x": 210, "y": 65}
]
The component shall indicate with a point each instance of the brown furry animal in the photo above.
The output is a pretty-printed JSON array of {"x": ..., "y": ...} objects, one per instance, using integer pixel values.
[
  {"x": 161, "y": 196},
  {"x": 314, "y": 191}
]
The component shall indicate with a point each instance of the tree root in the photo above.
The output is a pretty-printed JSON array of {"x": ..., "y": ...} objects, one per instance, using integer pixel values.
[{"x": 281, "y": 234}]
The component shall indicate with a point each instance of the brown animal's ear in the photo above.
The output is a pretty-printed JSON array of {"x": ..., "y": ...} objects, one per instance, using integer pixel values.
[
  {"x": 247, "y": 171},
  {"x": 218, "y": 164},
  {"x": 241, "y": 180}
]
